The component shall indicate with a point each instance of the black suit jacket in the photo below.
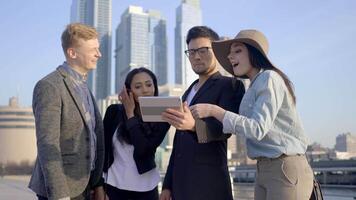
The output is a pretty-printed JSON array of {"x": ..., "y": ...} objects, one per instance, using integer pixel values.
[
  {"x": 144, "y": 144},
  {"x": 198, "y": 171}
]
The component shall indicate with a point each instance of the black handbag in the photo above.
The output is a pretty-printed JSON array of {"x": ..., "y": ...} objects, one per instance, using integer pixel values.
[{"x": 316, "y": 193}]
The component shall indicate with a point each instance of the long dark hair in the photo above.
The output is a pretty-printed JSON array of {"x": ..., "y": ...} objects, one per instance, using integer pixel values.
[
  {"x": 122, "y": 130},
  {"x": 259, "y": 61}
]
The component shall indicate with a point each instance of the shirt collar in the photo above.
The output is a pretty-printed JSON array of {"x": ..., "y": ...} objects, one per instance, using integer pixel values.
[
  {"x": 74, "y": 74},
  {"x": 254, "y": 78}
]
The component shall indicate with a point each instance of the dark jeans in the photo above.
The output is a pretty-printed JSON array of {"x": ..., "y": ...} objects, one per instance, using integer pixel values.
[{"x": 118, "y": 194}]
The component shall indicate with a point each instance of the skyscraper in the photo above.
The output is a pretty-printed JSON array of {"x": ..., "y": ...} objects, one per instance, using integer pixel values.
[
  {"x": 141, "y": 41},
  {"x": 158, "y": 46},
  {"x": 131, "y": 43},
  {"x": 188, "y": 14},
  {"x": 78, "y": 11},
  {"x": 97, "y": 13},
  {"x": 346, "y": 142}
]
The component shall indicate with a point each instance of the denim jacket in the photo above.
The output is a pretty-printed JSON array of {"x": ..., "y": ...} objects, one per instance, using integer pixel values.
[{"x": 268, "y": 119}]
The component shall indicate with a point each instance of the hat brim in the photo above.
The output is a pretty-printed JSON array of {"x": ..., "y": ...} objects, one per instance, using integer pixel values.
[{"x": 222, "y": 49}]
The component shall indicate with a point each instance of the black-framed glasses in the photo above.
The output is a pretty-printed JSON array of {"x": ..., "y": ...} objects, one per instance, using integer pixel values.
[{"x": 202, "y": 51}]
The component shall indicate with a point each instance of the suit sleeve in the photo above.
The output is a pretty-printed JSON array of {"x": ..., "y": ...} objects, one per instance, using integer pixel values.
[
  {"x": 145, "y": 144},
  {"x": 229, "y": 99},
  {"x": 47, "y": 111}
]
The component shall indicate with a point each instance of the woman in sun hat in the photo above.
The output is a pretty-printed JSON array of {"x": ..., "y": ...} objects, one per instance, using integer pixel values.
[{"x": 268, "y": 119}]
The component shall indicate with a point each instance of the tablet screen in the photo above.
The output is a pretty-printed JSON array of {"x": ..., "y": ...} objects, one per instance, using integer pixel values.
[{"x": 152, "y": 107}]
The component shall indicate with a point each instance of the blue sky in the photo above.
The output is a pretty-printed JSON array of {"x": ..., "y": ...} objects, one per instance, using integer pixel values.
[{"x": 311, "y": 41}]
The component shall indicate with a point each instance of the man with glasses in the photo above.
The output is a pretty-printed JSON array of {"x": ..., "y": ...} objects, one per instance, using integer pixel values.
[{"x": 199, "y": 170}]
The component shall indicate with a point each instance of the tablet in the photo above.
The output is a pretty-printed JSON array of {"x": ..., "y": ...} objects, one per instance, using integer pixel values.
[{"x": 153, "y": 106}]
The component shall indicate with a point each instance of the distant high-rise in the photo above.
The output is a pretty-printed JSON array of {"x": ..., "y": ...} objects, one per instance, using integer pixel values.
[
  {"x": 97, "y": 13},
  {"x": 158, "y": 46},
  {"x": 132, "y": 43},
  {"x": 188, "y": 14},
  {"x": 141, "y": 41},
  {"x": 346, "y": 142},
  {"x": 78, "y": 11}
]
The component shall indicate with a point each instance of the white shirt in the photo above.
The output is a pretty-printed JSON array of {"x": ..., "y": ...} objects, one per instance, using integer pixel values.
[
  {"x": 123, "y": 172},
  {"x": 191, "y": 94}
]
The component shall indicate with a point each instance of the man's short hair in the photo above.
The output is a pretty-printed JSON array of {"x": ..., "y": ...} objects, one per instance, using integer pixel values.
[
  {"x": 201, "y": 31},
  {"x": 76, "y": 31}
]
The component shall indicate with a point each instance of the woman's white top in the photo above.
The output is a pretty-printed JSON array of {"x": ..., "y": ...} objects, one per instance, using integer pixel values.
[{"x": 123, "y": 172}]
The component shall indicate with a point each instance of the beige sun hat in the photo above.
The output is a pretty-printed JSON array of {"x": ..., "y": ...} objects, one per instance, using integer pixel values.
[{"x": 252, "y": 37}]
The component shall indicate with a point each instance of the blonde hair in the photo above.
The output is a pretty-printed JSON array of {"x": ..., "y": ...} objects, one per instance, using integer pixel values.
[{"x": 76, "y": 31}]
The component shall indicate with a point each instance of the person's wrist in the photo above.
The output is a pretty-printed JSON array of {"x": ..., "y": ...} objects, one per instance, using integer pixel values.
[
  {"x": 219, "y": 112},
  {"x": 212, "y": 111},
  {"x": 129, "y": 115}
]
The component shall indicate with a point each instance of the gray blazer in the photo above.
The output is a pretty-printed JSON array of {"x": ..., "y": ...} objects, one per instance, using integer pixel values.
[{"x": 62, "y": 166}]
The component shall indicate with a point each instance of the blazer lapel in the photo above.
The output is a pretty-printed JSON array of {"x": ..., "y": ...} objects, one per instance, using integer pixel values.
[
  {"x": 210, "y": 82},
  {"x": 78, "y": 102}
]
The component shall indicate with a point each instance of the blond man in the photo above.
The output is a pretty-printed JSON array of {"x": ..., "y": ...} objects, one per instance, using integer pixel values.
[{"x": 69, "y": 128}]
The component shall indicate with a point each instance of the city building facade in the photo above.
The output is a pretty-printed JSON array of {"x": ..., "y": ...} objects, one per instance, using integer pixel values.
[{"x": 17, "y": 134}]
